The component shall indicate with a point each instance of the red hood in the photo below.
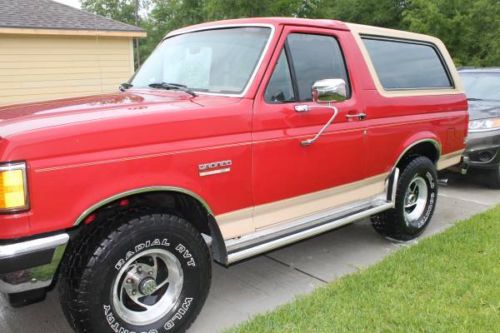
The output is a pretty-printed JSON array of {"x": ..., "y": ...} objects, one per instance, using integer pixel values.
[
  {"x": 114, "y": 122},
  {"x": 16, "y": 119}
]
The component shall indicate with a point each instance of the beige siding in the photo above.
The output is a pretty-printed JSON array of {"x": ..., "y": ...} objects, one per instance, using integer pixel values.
[{"x": 35, "y": 68}]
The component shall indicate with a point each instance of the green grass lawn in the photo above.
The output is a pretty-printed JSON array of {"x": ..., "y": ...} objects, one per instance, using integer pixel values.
[{"x": 446, "y": 283}]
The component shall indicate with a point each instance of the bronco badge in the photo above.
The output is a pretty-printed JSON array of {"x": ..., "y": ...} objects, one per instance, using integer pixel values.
[{"x": 214, "y": 168}]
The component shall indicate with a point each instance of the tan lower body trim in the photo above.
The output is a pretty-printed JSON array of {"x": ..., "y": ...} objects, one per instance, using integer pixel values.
[
  {"x": 237, "y": 223},
  {"x": 450, "y": 159},
  {"x": 245, "y": 221}
]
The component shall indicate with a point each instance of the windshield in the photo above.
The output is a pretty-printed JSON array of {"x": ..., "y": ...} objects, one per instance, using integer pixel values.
[
  {"x": 215, "y": 61},
  {"x": 482, "y": 86}
]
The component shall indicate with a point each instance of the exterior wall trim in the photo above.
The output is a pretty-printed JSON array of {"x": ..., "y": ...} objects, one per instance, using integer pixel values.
[{"x": 68, "y": 32}]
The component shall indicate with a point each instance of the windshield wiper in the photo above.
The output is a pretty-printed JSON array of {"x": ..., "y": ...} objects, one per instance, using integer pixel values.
[
  {"x": 173, "y": 86},
  {"x": 125, "y": 86},
  {"x": 474, "y": 99}
]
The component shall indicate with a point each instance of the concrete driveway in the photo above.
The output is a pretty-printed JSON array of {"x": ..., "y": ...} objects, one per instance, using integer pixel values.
[{"x": 267, "y": 281}]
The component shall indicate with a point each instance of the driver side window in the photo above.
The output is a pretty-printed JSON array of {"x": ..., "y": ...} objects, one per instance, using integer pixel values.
[{"x": 305, "y": 59}]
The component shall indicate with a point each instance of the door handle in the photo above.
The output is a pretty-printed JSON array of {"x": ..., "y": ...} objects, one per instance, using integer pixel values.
[
  {"x": 359, "y": 116},
  {"x": 302, "y": 108}
]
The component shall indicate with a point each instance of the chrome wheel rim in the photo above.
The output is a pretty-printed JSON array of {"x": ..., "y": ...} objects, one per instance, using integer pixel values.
[
  {"x": 147, "y": 287},
  {"x": 415, "y": 200}
]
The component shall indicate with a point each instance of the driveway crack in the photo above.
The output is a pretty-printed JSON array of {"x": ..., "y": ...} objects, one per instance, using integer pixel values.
[{"x": 296, "y": 269}]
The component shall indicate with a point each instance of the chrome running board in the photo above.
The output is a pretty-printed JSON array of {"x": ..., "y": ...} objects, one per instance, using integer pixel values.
[{"x": 268, "y": 239}]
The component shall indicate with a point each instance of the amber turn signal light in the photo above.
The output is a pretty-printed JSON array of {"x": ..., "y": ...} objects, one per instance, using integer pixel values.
[{"x": 13, "y": 187}]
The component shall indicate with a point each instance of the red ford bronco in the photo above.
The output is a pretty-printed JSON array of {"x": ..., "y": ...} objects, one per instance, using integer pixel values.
[{"x": 233, "y": 139}]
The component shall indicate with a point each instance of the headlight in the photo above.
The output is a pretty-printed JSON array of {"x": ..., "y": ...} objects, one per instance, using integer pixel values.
[
  {"x": 484, "y": 124},
  {"x": 13, "y": 187}
]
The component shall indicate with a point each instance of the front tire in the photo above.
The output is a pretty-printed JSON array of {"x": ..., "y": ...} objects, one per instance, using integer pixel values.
[
  {"x": 149, "y": 273},
  {"x": 416, "y": 197}
]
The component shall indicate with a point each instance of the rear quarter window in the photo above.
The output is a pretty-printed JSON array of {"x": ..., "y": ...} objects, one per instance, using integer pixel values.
[{"x": 407, "y": 65}]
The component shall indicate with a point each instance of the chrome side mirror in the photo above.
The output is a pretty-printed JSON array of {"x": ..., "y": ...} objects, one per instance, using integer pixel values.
[
  {"x": 329, "y": 91},
  {"x": 325, "y": 91}
]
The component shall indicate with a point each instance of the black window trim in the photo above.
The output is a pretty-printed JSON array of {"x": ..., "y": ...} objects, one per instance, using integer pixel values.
[
  {"x": 414, "y": 42},
  {"x": 293, "y": 75},
  {"x": 293, "y": 78}
]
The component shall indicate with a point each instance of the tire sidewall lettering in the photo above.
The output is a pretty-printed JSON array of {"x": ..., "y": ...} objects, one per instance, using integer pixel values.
[
  {"x": 431, "y": 181},
  {"x": 187, "y": 299},
  {"x": 431, "y": 200},
  {"x": 430, "y": 207},
  {"x": 95, "y": 300},
  {"x": 169, "y": 325},
  {"x": 398, "y": 223},
  {"x": 181, "y": 312},
  {"x": 185, "y": 255},
  {"x": 115, "y": 325}
]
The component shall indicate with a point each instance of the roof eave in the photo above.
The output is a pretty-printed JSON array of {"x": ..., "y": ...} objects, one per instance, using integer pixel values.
[{"x": 72, "y": 32}]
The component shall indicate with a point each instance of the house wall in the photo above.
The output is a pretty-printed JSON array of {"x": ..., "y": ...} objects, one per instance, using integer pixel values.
[{"x": 35, "y": 68}]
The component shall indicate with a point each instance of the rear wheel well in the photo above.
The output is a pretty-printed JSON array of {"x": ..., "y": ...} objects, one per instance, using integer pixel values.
[{"x": 427, "y": 149}]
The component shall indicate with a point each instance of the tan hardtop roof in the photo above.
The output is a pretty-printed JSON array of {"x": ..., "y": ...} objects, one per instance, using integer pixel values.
[
  {"x": 320, "y": 23},
  {"x": 378, "y": 31}
]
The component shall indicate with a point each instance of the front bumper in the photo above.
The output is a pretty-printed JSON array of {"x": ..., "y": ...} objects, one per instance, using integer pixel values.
[
  {"x": 483, "y": 150},
  {"x": 30, "y": 264}
]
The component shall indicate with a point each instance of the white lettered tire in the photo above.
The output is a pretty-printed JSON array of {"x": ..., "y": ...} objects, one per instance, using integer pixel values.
[
  {"x": 148, "y": 273},
  {"x": 416, "y": 198}
]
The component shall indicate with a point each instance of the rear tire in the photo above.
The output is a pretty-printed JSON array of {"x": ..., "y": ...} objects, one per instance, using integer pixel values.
[
  {"x": 148, "y": 273},
  {"x": 416, "y": 197}
]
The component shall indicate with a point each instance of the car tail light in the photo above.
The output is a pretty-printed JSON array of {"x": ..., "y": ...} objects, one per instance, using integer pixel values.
[{"x": 13, "y": 187}]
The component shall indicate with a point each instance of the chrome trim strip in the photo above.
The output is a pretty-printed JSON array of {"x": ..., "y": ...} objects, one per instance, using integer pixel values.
[
  {"x": 12, "y": 166},
  {"x": 394, "y": 187},
  {"x": 296, "y": 223},
  {"x": 32, "y": 277},
  {"x": 279, "y": 242},
  {"x": 225, "y": 26},
  {"x": 138, "y": 191},
  {"x": 35, "y": 245},
  {"x": 346, "y": 214}
]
